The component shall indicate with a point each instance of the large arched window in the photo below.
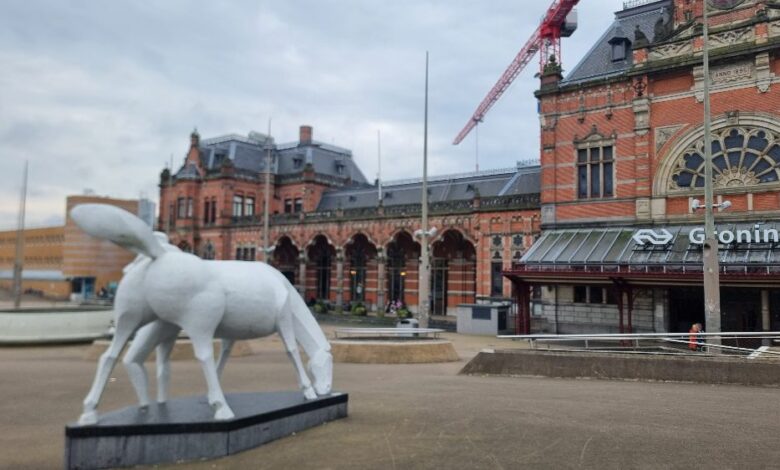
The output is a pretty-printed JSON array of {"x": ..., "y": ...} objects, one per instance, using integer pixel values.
[{"x": 741, "y": 156}]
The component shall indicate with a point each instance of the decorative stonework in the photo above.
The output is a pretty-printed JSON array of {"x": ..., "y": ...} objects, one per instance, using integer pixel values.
[
  {"x": 668, "y": 51},
  {"x": 641, "y": 116},
  {"x": 663, "y": 134},
  {"x": 643, "y": 208},
  {"x": 731, "y": 73},
  {"x": 548, "y": 214},
  {"x": 763, "y": 72},
  {"x": 735, "y": 36},
  {"x": 735, "y": 178},
  {"x": 774, "y": 28}
]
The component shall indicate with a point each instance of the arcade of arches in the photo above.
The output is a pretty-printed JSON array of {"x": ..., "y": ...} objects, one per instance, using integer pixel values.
[{"x": 361, "y": 271}]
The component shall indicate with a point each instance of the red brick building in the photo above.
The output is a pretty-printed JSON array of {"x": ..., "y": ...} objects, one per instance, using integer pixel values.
[
  {"x": 622, "y": 150},
  {"x": 338, "y": 237}
]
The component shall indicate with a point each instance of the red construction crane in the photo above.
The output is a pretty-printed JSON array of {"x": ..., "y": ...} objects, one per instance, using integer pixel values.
[{"x": 556, "y": 23}]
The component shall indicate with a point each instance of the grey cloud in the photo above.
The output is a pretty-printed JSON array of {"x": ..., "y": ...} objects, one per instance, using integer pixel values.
[{"x": 100, "y": 94}]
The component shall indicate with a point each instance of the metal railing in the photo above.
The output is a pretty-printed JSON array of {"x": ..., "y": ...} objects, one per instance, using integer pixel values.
[
  {"x": 386, "y": 332},
  {"x": 658, "y": 343}
]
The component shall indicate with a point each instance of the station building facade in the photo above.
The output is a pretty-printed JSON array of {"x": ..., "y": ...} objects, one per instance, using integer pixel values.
[
  {"x": 339, "y": 238},
  {"x": 622, "y": 162}
]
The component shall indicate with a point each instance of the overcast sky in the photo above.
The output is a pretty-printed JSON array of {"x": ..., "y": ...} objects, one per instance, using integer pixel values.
[{"x": 99, "y": 94}]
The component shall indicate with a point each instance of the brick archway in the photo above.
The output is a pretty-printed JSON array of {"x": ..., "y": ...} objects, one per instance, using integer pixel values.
[
  {"x": 285, "y": 259},
  {"x": 453, "y": 272}
]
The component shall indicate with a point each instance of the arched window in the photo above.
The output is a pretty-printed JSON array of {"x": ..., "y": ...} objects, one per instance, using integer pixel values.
[{"x": 741, "y": 156}]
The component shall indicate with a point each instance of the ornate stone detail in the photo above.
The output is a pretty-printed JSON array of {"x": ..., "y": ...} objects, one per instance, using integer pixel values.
[
  {"x": 735, "y": 178},
  {"x": 774, "y": 28},
  {"x": 731, "y": 73},
  {"x": 641, "y": 116},
  {"x": 763, "y": 72},
  {"x": 663, "y": 134},
  {"x": 729, "y": 38},
  {"x": 668, "y": 51}
]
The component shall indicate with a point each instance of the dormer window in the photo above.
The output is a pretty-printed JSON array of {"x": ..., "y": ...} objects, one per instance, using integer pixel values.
[
  {"x": 388, "y": 195},
  {"x": 470, "y": 188},
  {"x": 340, "y": 168},
  {"x": 297, "y": 163},
  {"x": 620, "y": 47}
]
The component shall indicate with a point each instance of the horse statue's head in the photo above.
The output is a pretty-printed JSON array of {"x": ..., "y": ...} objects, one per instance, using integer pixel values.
[{"x": 321, "y": 369}]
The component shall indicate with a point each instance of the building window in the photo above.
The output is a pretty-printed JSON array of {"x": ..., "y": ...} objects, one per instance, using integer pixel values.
[
  {"x": 190, "y": 208},
  {"x": 238, "y": 206},
  {"x": 741, "y": 157},
  {"x": 496, "y": 278},
  {"x": 172, "y": 215},
  {"x": 182, "y": 208},
  {"x": 593, "y": 295},
  {"x": 213, "y": 210},
  {"x": 595, "y": 168},
  {"x": 249, "y": 208},
  {"x": 206, "y": 211},
  {"x": 288, "y": 206},
  {"x": 298, "y": 206}
]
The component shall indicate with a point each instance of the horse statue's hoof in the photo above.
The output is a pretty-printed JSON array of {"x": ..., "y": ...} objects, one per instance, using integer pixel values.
[
  {"x": 223, "y": 413},
  {"x": 87, "y": 418},
  {"x": 310, "y": 394}
]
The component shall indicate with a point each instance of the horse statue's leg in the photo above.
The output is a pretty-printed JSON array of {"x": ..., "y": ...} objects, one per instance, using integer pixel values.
[
  {"x": 199, "y": 318},
  {"x": 224, "y": 354},
  {"x": 164, "y": 350},
  {"x": 126, "y": 324},
  {"x": 284, "y": 326},
  {"x": 144, "y": 342}
]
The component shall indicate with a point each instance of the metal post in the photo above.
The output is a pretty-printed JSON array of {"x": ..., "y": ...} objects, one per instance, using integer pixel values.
[
  {"x": 424, "y": 286},
  {"x": 19, "y": 257},
  {"x": 267, "y": 196},
  {"x": 710, "y": 249}
]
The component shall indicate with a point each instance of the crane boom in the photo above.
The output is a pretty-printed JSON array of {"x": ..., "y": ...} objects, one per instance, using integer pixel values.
[{"x": 545, "y": 38}]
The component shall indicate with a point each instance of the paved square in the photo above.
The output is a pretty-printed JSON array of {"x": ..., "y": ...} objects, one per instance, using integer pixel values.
[{"x": 423, "y": 416}]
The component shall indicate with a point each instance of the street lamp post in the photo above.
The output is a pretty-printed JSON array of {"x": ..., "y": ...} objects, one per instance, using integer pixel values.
[
  {"x": 710, "y": 249},
  {"x": 267, "y": 197},
  {"x": 424, "y": 286}
]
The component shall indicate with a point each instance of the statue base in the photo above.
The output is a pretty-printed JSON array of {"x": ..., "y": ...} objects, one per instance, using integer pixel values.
[{"x": 184, "y": 429}]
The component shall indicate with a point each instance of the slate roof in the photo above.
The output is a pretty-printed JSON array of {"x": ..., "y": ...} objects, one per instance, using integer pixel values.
[
  {"x": 249, "y": 154},
  {"x": 506, "y": 182},
  {"x": 598, "y": 62}
]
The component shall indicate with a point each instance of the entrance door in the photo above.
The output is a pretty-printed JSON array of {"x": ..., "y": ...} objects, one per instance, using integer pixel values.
[
  {"x": 740, "y": 311},
  {"x": 439, "y": 287},
  {"x": 686, "y": 307}
]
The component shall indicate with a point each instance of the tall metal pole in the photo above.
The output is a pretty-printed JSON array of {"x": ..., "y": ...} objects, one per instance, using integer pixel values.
[
  {"x": 19, "y": 258},
  {"x": 424, "y": 285},
  {"x": 710, "y": 250},
  {"x": 171, "y": 200},
  {"x": 267, "y": 197},
  {"x": 379, "y": 165}
]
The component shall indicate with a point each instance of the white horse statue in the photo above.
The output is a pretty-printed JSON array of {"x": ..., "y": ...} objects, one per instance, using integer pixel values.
[{"x": 169, "y": 291}]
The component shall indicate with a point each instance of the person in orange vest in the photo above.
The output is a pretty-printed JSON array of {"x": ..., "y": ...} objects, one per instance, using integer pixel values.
[{"x": 694, "y": 340}]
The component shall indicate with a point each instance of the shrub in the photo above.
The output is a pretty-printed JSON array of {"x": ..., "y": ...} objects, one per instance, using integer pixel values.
[
  {"x": 359, "y": 309},
  {"x": 403, "y": 312}
]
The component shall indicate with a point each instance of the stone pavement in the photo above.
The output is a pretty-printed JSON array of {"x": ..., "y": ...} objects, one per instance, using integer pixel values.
[{"x": 423, "y": 416}]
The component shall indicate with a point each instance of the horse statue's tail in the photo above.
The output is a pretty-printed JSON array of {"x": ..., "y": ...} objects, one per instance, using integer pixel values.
[
  {"x": 307, "y": 330},
  {"x": 118, "y": 226}
]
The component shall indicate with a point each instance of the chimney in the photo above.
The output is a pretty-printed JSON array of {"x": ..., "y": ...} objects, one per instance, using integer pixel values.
[{"x": 305, "y": 135}]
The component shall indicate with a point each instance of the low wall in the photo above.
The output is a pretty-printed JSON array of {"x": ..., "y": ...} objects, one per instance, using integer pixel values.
[
  {"x": 713, "y": 370},
  {"x": 393, "y": 352},
  {"x": 40, "y": 326}
]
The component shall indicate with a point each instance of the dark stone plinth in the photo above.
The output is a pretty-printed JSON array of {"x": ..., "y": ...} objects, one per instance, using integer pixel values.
[{"x": 184, "y": 429}]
